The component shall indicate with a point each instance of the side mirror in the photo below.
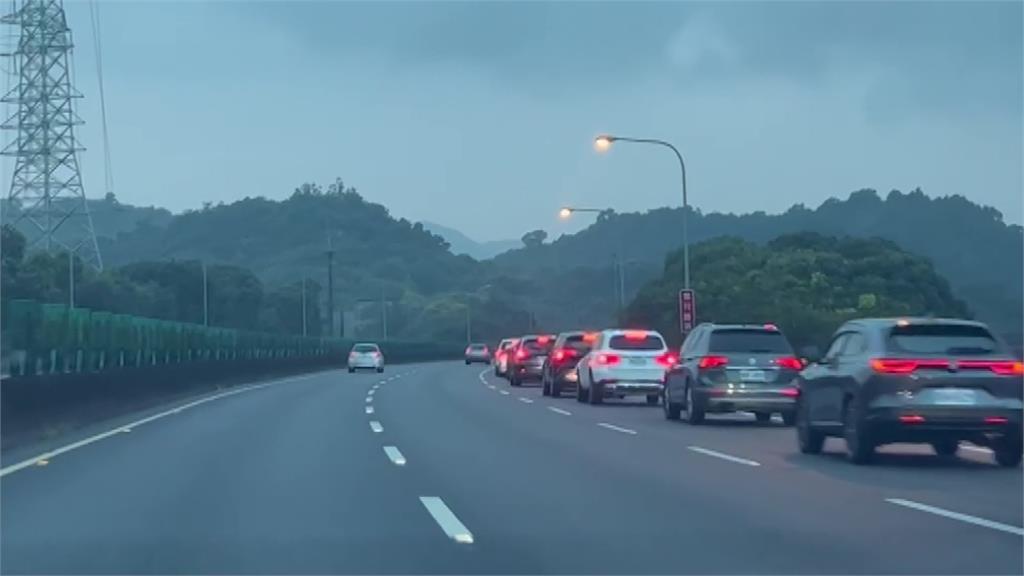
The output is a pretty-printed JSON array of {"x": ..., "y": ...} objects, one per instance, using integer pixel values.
[{"x": 810, "y": 355}]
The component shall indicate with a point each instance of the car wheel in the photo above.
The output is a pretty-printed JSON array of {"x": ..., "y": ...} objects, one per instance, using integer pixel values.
[
  {"x": 860, "y": 448},
  {"x": 694, "y": 413},
  {"x": 467, "y": 362},
  {"x": 789, "y": 418},
  {"x": 580, "y": 391},
  {"x": 556, "y": 388},
  {"x": 808, "y": 439},
  {"x": 670, "y": 408},
  {"x": 595, "y": 395},
  {"x": 652, "y": 399},
  {"x": 380, "y": 370},
  {"x": 1008, "y": 451},
  {"x": 763, "y": 417},
  {"x": 945, "y": 447},
  {"x": 545, "y": 388},
  {"x": 351, "y": 370}
]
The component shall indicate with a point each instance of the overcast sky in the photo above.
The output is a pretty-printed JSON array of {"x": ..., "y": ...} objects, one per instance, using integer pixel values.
[{"x": 481, "y": 115}]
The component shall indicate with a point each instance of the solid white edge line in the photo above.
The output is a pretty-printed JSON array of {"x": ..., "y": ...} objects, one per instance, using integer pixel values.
[
  {"x": 957, "y": 516},
  {"x": 715, "y": 454},
  {"x": 560, "y": 411},
  {"x": 447, "y": 520},
  {"x": 525, "y": 400},
  {"x": 376, "y": 427},
  {"x": 616, "y": 428},
  {"x": 395, "y": 456},
  {"x": 120, "y": 429}
]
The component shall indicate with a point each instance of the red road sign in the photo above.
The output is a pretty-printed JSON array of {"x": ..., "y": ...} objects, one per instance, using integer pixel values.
[{"x": 687, "y": 310}]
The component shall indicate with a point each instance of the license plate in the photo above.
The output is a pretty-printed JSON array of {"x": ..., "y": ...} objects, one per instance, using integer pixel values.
[
  {"x": 752, "y": 375},
  {"x": 953, "y": 396},
  {"x": 638, "y": 361}
]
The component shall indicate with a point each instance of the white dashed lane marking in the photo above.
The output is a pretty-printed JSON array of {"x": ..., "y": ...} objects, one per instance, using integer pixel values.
[
  {"x": 369, "y": 409},
  {"x": 395, "y": 456},
  {"x": 525, "y": 400},
  {"x": 715, "y": 454},
  {"x": 616, "y": 428},
  {"x": 957, "y": 516},
  {"x": 447, "y": 520},
  {"x": 376, "y": 427},
  {"x": 560, "y": 411},
  {"x": 503, "y": 392}
]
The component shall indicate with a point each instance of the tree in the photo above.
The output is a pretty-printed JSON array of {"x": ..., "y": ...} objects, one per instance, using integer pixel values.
[{"x": 535, "y": 238}]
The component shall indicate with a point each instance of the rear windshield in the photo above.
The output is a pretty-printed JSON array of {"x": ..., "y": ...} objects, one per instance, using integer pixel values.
[
  {"x": 750, "y": 341},
  {"x": 534, "y": 345},
  {"x": 365, "y": 348},
  {"x": 647, "y": 342},
  {"x": 478, "y": 347},
  {"x": 951, "y": 339},
  {"x": 577, "y": 343},
  {"x": 506, "y": 344}
]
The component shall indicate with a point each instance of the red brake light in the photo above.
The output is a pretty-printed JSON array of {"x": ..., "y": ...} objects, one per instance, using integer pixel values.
[
  {"x": 1001, "y": 367},
  {"x": 607, "y": 359},
  {"x": 543, "y": 339},
  {"x": 905, "y": 366},
  {"x": 558, "y": 355},
  {"x": 911, "y": 419},
  {"x": 667, "y": 360},
  {"x": 520, "y": 354},
  {"x": 791, "y": 392},
  {"x": 789, "y": 362},
  {"x": 771, "y": 327},
  {"x": 590, "y": 337},
  {"x": 996, "y": 420},
  {"x": 707, "y": 362},
  {"x": 635, "y": 335}
]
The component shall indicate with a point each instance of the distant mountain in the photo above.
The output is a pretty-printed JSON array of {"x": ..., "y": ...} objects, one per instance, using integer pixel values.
[
  {"x": 971, "y": 245},
  {"x": 462, "y": 244}
]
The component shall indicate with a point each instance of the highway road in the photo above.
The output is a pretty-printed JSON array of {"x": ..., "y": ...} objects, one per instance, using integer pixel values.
[{"x": 440, "y": 468}]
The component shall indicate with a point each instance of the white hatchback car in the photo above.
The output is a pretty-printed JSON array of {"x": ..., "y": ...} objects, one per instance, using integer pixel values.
[
  {"x": 365, "y": 356},
  {"x": 624, "y": 363}
]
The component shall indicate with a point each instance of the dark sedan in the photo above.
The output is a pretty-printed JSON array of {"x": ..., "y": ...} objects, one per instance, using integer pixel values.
[
  {"x": 559, "y": 372},
  {"x": 931, "y": 381}
]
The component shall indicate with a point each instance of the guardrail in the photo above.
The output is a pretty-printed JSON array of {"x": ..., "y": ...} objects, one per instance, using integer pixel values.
[{"x": 44, "y": 339}]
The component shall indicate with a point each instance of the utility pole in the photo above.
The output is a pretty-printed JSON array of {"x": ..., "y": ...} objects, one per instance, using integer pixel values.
[
  {"x": 206, "y": 298},
  {"x": 469, "y": 324},
  {"x": 330, "y": 285},
  {"x": 383, "y": 314},
  {"x": 304, "y": 306},
  {"x": 71, "y": 280}
]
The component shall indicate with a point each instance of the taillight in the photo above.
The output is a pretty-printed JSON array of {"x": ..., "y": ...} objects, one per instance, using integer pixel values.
[
  {"x": 635, "y": 335},
  {"x": 468, "y": 349},
  {"x": 607, "y": 359},
  {"x": 667, "y": 360},
  {"x": 562, "y": 354},
  {"x": 790, "y": 362},
  {"x": 521, "y": 354},
  {"x": 543, "y": 339},
  {"x": 791, "y": 392},
  {"x": 996, "y": 420},
  {"x": 911, "y": 419},
  {"x": 708, "y": 362},
  {"x": 905, "y": 366},
  {"x": 1001, "y": 367}
]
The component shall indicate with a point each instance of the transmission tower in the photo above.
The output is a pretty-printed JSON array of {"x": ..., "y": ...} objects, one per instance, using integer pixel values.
[{"x": 46, "y": 199}]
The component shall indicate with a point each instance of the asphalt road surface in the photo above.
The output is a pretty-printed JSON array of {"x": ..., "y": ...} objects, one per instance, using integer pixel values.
[{"x": 456, "y": 472}]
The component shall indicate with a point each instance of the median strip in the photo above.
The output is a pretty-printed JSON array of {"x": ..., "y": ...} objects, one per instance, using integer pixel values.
[
  {"x": 957, "y": 516},
  {"x": 447, "y": 520},
  {"x": 715, "y": 454}
]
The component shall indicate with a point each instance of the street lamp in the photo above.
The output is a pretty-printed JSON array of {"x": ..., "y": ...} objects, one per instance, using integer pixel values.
[
  {"x": 604, "y": 142},
  {"x": 566, "y": 212}
]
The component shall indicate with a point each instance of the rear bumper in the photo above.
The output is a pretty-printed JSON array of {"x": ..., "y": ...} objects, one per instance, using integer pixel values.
[
  {"x": 529, "y": 372},
  {"x": 566, "y": 376},
  {"x": 963, "y": 423},
  {"x": 478, "y": 359},
  {"x": 613, "y": 387},
  {"x": 365, "y": 365},
  {"x": 720, "y": 400}
]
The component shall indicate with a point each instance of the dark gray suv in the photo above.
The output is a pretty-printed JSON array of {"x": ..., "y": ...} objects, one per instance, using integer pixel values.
[
  {"x": 731, "y": 368},
  {"x": 922, "y": 380}
]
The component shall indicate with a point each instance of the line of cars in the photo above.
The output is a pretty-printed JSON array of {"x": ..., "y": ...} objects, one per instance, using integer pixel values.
[{"x": 881, "y": 381}]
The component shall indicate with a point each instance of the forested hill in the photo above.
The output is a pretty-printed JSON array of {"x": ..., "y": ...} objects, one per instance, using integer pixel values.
[
  {"x": 282, "y": 241},
  {"x": 971, "y": 245}
]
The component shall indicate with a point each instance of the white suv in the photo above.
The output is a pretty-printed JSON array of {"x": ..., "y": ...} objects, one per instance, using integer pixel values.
[
  {"x": 365, "y": 356},
  {"x": 624, "y": 363}
]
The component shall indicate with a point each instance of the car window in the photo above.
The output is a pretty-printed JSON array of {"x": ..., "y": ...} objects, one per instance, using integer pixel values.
[
  {"x": 688, "y": 342},
  {"x": 631, "y": 342},
  {"x": 853, "y": 345},
  {"x": 576, "y": 342},
  {"x": 836, "y": 346},
  {"x": 534, "y": 345},
  {"x": 478, "y": 347},
  {"x": 363, "y": 348},
  {"x": 751, "y": 340},
  {"x": 942, "y": 339}
]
